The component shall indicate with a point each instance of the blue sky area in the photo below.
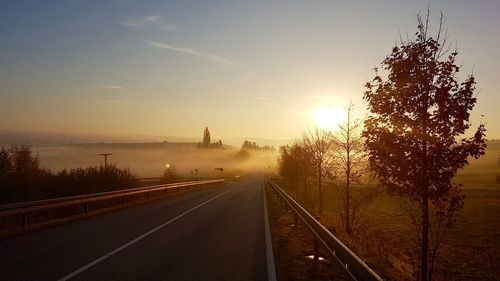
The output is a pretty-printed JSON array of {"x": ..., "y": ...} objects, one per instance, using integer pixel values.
[{"x": 243, "y": 68}]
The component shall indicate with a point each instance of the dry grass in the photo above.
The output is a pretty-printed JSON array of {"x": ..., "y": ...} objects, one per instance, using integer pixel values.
[
  {"x": 292, "y": 244},
  {"x": 471, "y": 250}
]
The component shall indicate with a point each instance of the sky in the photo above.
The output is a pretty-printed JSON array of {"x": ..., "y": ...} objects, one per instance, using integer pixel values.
[{"x": 259, "y": 69}]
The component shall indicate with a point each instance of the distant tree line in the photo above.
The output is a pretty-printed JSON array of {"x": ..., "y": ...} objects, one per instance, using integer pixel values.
[
  {"x": 22, "y": 178},
  {"x": 207, "y": 142},
  {"x": 254, "y": 146},
  {"x": 242, "y": 155}
]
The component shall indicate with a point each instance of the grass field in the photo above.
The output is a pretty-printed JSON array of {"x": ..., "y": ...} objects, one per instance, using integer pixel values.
[{"x": 471, "y": 249}]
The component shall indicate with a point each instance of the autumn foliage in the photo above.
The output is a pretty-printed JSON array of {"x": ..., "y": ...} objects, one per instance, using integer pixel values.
[{"x": 419, "y": 113}]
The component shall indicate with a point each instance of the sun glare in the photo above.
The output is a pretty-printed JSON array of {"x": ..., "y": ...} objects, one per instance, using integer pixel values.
[{"x": 328, "y": 118}]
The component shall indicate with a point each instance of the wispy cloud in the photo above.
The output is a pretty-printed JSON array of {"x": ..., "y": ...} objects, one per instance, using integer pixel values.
[
  {"x": 263, "y": 98},
  {"x": 111, "y": 87},
  {"x": 191, "y": 51},
  {"x": 114, "y": 101},
  {"x": 132, "y": 23},
  {"x": 152, "y": 21},
  {"x": 152, "y": 18}
]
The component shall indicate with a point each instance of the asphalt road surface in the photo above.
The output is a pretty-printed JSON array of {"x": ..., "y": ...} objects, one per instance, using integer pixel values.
[{"x": 217, "y": 233}]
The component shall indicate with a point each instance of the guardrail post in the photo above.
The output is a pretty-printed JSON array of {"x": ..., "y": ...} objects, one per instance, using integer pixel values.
[
  {"x": 147, "y": 195},
  {"x": 315, "y": 250},
  {"x": 123, "y": 200},
  {"x": 86, "y": 208},
  {"x": 352, "y": 264},
  {"x": 315, "y": 253}
]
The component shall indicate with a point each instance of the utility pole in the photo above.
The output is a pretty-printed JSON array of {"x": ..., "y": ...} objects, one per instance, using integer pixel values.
[{"x": 105, "y": 158}]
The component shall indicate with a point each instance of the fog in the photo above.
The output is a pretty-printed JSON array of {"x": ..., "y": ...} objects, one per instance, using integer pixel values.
[{"x": 149, "y": 159}]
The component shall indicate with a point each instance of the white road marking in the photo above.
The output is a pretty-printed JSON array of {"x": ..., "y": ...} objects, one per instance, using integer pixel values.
[
  {"x": 271, "y": 270},
  {"x": 98, "y": 260}
]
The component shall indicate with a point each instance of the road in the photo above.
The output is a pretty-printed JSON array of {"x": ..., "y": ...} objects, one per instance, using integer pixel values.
[{"x": 217, "y": 233}]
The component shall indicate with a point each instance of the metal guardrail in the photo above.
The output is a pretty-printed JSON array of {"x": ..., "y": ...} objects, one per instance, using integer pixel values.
[
  {"x": 31, "y": 206},
  {"x": 355, "y": 268}
]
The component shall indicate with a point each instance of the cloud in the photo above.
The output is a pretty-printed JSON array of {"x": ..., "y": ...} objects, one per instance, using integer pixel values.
[
  {"x": 132, "y": 23},
  {"x": 114, "y": 101},
  {"x": 111, "y": 87},
  {"x": 152, "y": 22},
  {"x": 191, "y": 51},
  {"x": 263, "y": 98},
  {"x": 152, "y": 18}
]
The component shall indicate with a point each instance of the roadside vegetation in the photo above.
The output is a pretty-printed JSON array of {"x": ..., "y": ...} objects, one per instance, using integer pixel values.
[
  {"x": 293, "y": 247},
  {"x": 23, "y": 179},
  {"x": 383, "y": 234},
  {"x": 390, "y": 185},
  {"x": 170, "y": 175}
]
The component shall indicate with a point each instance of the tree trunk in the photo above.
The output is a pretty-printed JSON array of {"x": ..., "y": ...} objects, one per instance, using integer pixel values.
[
  {"x": 424, "y": 263},
  {"x": 348, "y": 175},
  {"x": 347, "y": 208},
  {"x": 424, "y": 249},
  {"x": 319, "y": 186},
  {"x": 305, "y": 187}
]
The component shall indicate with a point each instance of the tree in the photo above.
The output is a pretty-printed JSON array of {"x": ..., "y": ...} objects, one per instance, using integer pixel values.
[
  {"x": 20, "y": 172},
  {"x": 206, "y": 143},
  {"x": 254, "y": 146},
  {"x": 319, "y": 144},
  {"x": 170, "y": 175},
  {"x": 297, "y": 154},
  {"x": 242, "y": 155},
  {"x": 206, "y": 137},
  {"x": 349, "y": 158},
  {"x": 417, "y": 114},
  {"x": 24, "y": 163},
  {"x": 89, "y": 180},
  {"x": 497, "y": 177},
  {"x": 288, "y": 165},
  {"x": 294, "y": 164},
  {"x": 304, "y": 163},
  {"x": 5, "y": 166}
]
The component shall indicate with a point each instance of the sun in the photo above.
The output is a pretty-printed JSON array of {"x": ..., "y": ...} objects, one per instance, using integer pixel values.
[{"x": 328, "y": 118}]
